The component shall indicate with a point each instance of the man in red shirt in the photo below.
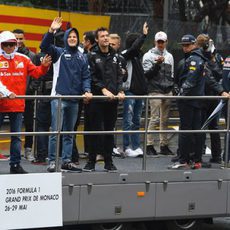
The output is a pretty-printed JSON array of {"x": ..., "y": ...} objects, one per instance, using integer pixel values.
[{"x": 14, "y": 69}]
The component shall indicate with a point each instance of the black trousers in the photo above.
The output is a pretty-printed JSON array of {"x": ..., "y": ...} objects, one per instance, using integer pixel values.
[
  {"x": 87, "y": 128},
  {"x": 103, "y": 116},
  {"x": 190, "y": 119},
  {"x": 210, "y": 105},
  {"x": 43, "y": 125},
  {"x": 226, "y": 115},
  {"x": 75, "y": 153},
  {"x": 29, "y": 122}
]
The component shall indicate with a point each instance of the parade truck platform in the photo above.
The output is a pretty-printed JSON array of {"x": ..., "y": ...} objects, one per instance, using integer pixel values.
[
  {"x": 142, "y": 189},
  {"x": 131, "y": 194}
]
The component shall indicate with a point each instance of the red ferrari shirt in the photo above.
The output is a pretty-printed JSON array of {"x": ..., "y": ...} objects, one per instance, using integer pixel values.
[{"x": 13, "y": 74}]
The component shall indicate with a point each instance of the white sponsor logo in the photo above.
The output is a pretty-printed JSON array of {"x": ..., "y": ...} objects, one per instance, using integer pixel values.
[
  {"x": 20, "y": 65},
  {"x": 98, "y": 60},
  {"x": 6, "y": 74},
  {"x": 114, "y": 60}
]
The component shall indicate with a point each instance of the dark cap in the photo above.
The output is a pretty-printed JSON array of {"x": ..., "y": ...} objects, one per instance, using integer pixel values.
[{"x": 188, "y": 39}]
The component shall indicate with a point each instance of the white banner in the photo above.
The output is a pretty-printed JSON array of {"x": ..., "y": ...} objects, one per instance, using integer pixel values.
[{"x": 30, "y": 200}]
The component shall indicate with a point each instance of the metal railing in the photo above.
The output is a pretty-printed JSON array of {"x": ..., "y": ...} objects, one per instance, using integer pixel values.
[{"x": 145, "y": 132}]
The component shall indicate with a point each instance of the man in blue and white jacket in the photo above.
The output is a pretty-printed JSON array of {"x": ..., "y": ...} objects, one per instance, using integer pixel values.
[{"x": 71, "y": 77}]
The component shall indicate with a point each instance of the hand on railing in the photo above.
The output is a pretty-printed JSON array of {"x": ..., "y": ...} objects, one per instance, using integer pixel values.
[
  {"x": 87, "y": 97},
  {"x": 225, "y": 94},
  {"x": 12, "y": 95},
  {"x": 121, "y": 96},
  {"x": 107, "y": 93}
]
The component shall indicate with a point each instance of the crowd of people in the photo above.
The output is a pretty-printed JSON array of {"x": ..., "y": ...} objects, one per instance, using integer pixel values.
[{"x": 97, "y": 66}]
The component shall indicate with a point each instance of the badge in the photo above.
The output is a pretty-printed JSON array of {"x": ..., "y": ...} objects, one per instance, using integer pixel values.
[
  {"x": 4, "y": 64},
  {"x": 67, "y": 56},
  {"x": 192, "y": 68},
  {"x": 20, "y": 65},
  {"x": 193, "y": 63},
  {"x": 97, "y": 60},
  {"x": 114, "y": 60}
]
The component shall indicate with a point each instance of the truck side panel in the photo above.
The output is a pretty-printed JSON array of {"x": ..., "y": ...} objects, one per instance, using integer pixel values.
[
  {"x": 191, "y": 199},
  {"x": 117, "y": 201},
  {"x": 71, "y": 201}
]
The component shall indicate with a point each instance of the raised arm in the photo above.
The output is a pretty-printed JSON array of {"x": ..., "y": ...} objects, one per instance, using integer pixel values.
[{"x": 47, "y": 41}]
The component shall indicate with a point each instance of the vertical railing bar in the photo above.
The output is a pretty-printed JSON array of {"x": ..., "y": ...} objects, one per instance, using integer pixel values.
[
  {"x": 146, "y": 133},
  {"x": 58, "y": 135},
  {"x": 227, "y": 135},
  {"x": 34, "y": 148}
]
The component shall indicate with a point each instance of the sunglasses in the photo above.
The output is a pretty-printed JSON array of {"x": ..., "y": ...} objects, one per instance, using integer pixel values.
[{"x": 10, "y": 44}]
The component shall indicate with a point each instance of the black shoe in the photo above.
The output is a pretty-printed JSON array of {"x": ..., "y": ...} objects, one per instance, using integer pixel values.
[
  {"x": 17, "y": 169},
  {"x": 89, "y": 167},
  {"x": 175, "y": 159},
  {"x": 39, "y": 161},
  {"x": 109, "y": 166},
  {"x": 151, "y": 151},
  {"x": 75, "y": 160},
  {"x": 164, "y": 150},
  {"x": 215, "y": 160},
  {"x": 70, "y": 166}
]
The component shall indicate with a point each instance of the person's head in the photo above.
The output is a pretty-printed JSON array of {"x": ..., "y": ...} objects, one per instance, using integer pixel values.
[
  {"x": 71, "y": 38},
  {"x": 115, "y": 41},
  {"x": 130, "y": 39},
  {"x": 88, "y": 40},
  {"x": 102, "y": 37},
  {"x": 202, "y": 41},
  {"x": 8, "y": 42},
  {"x": 188, "y": 43},
  {"x": 20, "y": 36},
  {"x": 206, "y": 43},
  {"x": 161, "y": 40}
]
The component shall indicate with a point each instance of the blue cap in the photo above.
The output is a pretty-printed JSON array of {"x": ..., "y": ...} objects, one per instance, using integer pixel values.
[{"x": 188, "y": 39}]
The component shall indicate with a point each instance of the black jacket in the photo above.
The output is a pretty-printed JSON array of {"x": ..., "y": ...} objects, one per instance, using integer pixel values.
[
  {"x": 31, "y": 83},
  {"x": 105, "y": 71},
  {"x": 137, "y": 85},
  {"x": 226, "y": 74},
  {"x": 213, "y": 75},
  {"x": 44, "y": 82}
]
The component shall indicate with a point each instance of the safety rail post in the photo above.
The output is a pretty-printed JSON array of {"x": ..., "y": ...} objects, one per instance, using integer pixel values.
[
  {"x": 227, "y": 135},
  {"x": 58, "y": 134},
  {"x": 34, "y": 146},
  {"x": 146, "y": 133}
]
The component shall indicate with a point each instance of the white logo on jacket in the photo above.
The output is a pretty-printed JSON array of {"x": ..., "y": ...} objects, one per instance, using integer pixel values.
[
  {"x": 20, "y": 65},
  {"x": 115, "y": 60},
  {"x": 97, "y": 60}
]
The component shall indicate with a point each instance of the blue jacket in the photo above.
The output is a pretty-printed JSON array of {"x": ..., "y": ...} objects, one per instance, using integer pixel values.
[
  {"x": 70, "y": 67},
  {"x": 192, "y": 77}
]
